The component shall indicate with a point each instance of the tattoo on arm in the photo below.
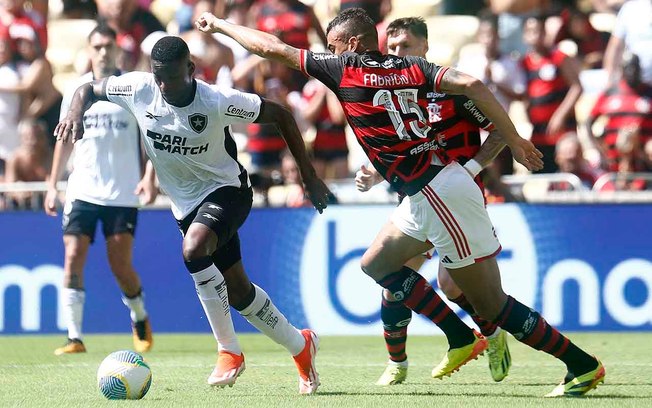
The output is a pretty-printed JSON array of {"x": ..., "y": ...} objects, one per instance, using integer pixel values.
[
  {"x": 291, "y": 56},
  {"x": 454, "y": 82}
]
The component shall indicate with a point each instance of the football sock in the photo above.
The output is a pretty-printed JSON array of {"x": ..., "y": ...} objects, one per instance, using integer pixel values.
[
  {"x": 73, "y": 311},
  {"x": 529, "y": 327},
  {"x": 212, "y": 293},
  {"x": 396, "y": 317},
  {"x": 416, "y": 293},
  {"x": 136, "y": 305},
  {"x": 486, "y": 327},
  {"x": 259, "y": 310}
]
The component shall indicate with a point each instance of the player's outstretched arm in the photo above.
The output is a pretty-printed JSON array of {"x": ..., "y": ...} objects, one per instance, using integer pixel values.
[
  {"x": 458, "y": 83},
  {"x": 254, "y": 41},
  {"x": 71, "y": 127},
  {"x": 280, "y": 116}
]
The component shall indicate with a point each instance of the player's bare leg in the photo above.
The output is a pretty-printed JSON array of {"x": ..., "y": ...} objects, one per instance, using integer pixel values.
[
  {"x": 198, "y": 244},
  {"x": 481, "y": 284},
  {"x": 76, "y": 251},
  {"x": 255, "y": 305},
  {"x": 384, "y": 262},
  {"x": 119, "y": 249},
  {"x": 396, "y": 317}
]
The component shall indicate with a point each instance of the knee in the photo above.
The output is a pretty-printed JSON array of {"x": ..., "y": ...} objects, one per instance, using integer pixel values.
[
  {"x": 368, "y": 264},
  {"x": 195, "y": 248},
  {"x": 488, "y": 308},
  {"x": 448, "y": 286}
]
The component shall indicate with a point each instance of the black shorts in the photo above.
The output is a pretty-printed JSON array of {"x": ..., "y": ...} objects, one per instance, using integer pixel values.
[
  {"x": 223, "y": 211},
  {"x": 330, "y": 155},
  {"x": 83, "y": 217},
  {"x": 266, "y": 159}
]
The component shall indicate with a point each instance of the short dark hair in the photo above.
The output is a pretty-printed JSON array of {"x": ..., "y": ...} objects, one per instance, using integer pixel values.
[
  {"x": 354, "y": 22},
  {"x": 104, "y": 30},
  {"x": 415, "y": 25},
  {"x": 170, "y": 49}
]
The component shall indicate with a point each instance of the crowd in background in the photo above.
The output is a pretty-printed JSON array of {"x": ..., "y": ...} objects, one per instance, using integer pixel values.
[{"x": 580, "y": 71}]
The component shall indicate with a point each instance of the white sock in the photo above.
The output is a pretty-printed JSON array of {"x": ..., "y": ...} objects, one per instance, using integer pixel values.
[
  {"x": 263, "y": 315},
  {"x": 73, "y": 311},
  {"x": 137, "y": 307},
  {"x": 215, "y": 301}
]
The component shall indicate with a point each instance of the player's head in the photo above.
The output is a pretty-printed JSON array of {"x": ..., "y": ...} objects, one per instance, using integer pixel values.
[
  {"x": 632, "y": 70},
  {"x": 102, "y": 51},
  {"x": 352, "y": 30},
  {"x": 568, "y": 153},
  {"x": 407, "y": 36},
  {"x": 488, "y": 31},
  {"x": 534, "y": 31},
  {"x": 172, "y": 68}
]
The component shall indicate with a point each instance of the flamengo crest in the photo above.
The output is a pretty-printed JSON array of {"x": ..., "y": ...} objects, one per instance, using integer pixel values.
[{"x": 198, "y": 122}]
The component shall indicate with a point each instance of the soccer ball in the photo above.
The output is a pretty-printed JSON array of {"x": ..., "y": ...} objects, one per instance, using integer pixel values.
[{"x": 124, "y": 375}]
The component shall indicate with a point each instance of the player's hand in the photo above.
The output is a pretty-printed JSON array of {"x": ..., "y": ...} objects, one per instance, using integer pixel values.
[
  {"x": 208, "y": 23},
  {"x": 317, "y": 192},
  {"x": 70, "y": 129},
  {"x": 147, "y": 191},
  {"x": 50, "y": 202},
  {"x": 365, "y": 179},
  {"x": 525, "y": 153}
]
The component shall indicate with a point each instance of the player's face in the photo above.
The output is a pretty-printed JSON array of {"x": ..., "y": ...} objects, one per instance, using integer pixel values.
[
  {"x": 404, "y": 43},
  {"x": 174, "y": 80},
  {"x": 102, "y": 51},
  {"x": 337, "y": 43},
  {"x": 533, "y": 32}
]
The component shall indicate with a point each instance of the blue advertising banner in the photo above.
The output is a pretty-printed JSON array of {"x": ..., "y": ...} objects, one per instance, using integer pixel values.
[{"x": 585, "y": 267}]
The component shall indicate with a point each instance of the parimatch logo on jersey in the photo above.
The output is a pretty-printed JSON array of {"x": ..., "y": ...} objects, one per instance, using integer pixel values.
[{"x": 175, "y": 144}]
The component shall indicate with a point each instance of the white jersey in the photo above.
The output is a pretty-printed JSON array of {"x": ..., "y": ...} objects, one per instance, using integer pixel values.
[
  {"x": 106, "y": 161},
  {"x": 191, "y": 147}
]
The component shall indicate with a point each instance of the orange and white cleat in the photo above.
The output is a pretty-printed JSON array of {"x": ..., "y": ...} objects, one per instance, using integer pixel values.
[
  {"x": 228, "y": 368},
  {"x": 305, "y": 362},
  {"x": 72, "y": 346}
]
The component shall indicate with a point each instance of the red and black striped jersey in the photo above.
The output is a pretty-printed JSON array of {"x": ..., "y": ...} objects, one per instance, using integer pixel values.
[
  {"x": 623, "y": 107},
  {"x": 385, "y": 100},
  {"x": 289, "y": 21},
  {"x": 546, "y": 89},
  {"x": 330, "y": 136},
  {"x": 264, "y": 138}
]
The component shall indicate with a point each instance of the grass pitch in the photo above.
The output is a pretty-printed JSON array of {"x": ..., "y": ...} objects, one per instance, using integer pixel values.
[{"x": 30, "y": 375}]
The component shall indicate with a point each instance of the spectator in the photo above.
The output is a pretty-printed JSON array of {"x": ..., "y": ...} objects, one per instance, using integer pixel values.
[
  {"x": 291, "y": 193},
  {"x": 15, "y": 20},
  {"x": 210, "y": 56},
  {"x": 462, "y": 7},
  {"x": 41, "y": 100},
  {"x": 631, "y": 159},
  {"x": 30, "y": 162},
  {"x": 591, "y": 43},
  {"x": 511, "y": 17},
  {"x": 570, "y": 159},
  {"x": 633, "y": 31},
  {"x": 330, "y": 151},
  {"x": 9, "y": 103},
  {"x": 627, "y": 104},
  {"x": 132, "y": 23},
  {"x": 553, "y": 88}
]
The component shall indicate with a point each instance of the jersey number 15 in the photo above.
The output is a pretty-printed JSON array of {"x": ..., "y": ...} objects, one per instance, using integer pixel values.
[{"x": 407, "y": 100}]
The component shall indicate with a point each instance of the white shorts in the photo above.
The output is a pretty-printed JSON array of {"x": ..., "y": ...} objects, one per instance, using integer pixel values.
[{"x": 449, "y": 213}]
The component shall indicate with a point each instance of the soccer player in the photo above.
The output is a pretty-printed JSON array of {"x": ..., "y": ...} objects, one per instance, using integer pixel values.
[
  {"x": 185, "y": 124},
  {"x": 102, "y": 187},
  {"x": 450, "y": 116},
  {"x": 383, "y": 98}
]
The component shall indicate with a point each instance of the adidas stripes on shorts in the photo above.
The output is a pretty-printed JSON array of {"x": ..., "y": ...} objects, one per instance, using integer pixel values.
[{"x": 450, "y": 213}]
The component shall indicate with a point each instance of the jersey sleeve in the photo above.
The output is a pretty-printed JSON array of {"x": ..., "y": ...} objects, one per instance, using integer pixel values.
[
  {"x": 327, "y": 68},
  {"x": 238, "y": 107},
  {"x": 433, "y": 72},
  {"x": 121, "y": 90},
  {"x": 472, "y": 113}
]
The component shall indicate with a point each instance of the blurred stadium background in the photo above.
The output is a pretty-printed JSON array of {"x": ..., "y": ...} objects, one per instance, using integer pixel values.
[{"x": 576, "y": 241}]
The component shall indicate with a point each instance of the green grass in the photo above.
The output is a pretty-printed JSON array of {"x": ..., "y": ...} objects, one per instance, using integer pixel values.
[{"x": 30, "y": 375}]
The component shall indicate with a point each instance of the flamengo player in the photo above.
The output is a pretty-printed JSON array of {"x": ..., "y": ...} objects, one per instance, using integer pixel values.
[
  {"x": 185, "y": 125},
  {"x": 106, "y": 172},
  {"x": 457, "y": 123},
  {"x": 384, "y": 100}
]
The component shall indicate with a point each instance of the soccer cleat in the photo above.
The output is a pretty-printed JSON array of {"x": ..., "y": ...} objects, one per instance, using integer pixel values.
[
  {"x": 71, "y": 346},
  {"x": 228, "y": 368},
  {"x": 305, "y": 362},
  {"x": 573, "y": 386},
  {"x": 500, "y": 360},
  {"x": 395, "y": 373},
  {"x": 457, "y": 357},
  {"x": 143, "y": 340}
]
